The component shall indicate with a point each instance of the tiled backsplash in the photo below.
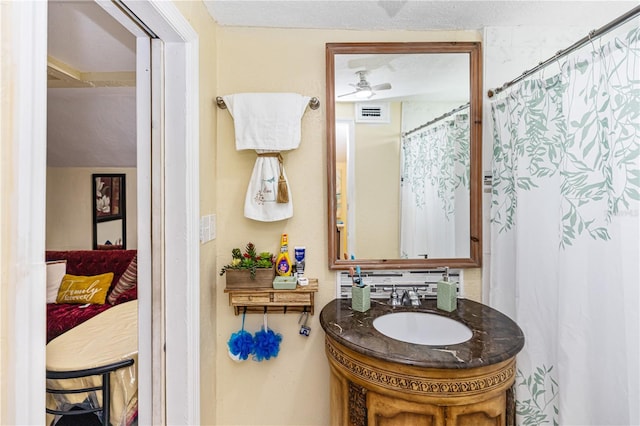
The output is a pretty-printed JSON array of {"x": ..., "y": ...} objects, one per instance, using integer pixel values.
[{"x": 381, "y": 282}]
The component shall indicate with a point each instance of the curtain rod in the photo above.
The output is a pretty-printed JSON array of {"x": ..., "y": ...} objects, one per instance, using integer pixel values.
[
  {"x": 435, "y": 120},
  {"x": 584, "y": 40}
]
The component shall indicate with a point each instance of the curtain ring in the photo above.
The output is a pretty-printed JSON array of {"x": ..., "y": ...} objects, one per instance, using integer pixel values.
[
  {"x": 590, "y": 35},
  {"x": 557, "y": 56}
]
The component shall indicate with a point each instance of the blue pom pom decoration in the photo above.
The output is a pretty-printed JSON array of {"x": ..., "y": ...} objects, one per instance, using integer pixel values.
[
  {"x": 266, "y": 344},
  {"x": 241, "y": 344}
]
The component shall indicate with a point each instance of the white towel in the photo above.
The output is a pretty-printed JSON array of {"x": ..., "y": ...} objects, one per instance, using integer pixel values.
[
  {"x": 260, "y": 201},
  {"x": 268, "y": 121}
]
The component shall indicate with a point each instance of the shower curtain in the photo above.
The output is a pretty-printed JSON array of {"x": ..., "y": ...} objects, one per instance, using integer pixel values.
[
  {"x": 565, "y": 237},
  {"x": 435, "y": 190}
]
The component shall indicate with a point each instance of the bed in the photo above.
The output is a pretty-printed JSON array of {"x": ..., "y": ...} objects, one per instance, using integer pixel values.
[
  {"x": 62, "y": 317},
  {"x": 108, "y": 339},
  {"x": 94, "y": 342}
]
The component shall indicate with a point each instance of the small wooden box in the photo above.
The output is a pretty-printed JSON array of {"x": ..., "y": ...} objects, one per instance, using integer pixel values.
[{"x": 241, "y": 278}]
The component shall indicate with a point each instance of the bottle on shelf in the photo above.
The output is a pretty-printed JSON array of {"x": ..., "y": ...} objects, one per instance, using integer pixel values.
[
  {"x": 283, "y": 262},
  {"x": 300, "y": 261}
]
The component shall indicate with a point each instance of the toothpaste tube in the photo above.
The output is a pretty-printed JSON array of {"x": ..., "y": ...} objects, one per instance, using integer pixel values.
[{"x": 299, "y": 253}]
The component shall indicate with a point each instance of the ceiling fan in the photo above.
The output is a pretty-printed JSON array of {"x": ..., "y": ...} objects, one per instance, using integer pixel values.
[{"x": 364, "y": 90}]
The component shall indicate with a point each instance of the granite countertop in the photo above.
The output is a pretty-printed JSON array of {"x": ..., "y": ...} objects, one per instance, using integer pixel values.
[{"x": 495, "y": 337}]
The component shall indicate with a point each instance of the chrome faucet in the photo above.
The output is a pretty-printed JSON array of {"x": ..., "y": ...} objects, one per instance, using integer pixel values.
[
  {"x": 407, "y": 298},
  {"x": 410, "y": 298},
  {"x": 394, "y": 300}
]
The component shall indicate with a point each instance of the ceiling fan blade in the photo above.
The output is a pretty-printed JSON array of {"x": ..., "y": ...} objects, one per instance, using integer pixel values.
[
  {"x": 347, "y": 94},
  {"x": 383, "y": 86}
]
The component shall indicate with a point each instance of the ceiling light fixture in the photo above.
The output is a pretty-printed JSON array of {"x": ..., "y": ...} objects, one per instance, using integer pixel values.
[{"x": 364, "y": 94}]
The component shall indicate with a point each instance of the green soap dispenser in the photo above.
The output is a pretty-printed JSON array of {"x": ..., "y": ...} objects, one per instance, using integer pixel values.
[{"x": 447, "y": 296}]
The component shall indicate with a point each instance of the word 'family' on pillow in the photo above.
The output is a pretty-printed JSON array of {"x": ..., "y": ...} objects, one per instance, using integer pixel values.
[
  {"x": 127, "y": 281},
  {"x": 55, "y": 272},
  {"x": 80, "y": 289}
]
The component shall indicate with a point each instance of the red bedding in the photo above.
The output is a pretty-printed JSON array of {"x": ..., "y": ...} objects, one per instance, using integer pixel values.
[{"x": 62, "y": 317}]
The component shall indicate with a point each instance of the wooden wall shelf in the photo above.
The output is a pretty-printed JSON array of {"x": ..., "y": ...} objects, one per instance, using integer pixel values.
[{"x": 255, "y": 300}]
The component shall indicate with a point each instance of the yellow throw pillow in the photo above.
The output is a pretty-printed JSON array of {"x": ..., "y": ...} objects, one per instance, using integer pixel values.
[{"x": 79, "y": 289}]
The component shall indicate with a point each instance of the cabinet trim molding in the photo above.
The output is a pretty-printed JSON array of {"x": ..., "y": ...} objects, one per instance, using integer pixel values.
[{"x": 457, "y": 383}]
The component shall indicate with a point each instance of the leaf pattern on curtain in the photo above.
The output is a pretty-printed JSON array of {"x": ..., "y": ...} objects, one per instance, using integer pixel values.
[
  {"x": 541, "y": 389},
  {"x": 440, "y": 156},
  {"x": 583, "y": 124},
  {"x": 532, "y": 120},
  {"x": 570, "y": 146}
]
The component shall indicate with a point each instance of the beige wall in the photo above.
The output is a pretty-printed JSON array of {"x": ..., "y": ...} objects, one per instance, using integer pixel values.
[
  {"x": 8, "y": 193},
  {"x": 292, "y": 389},
  {"x": 69, "y": 203}
]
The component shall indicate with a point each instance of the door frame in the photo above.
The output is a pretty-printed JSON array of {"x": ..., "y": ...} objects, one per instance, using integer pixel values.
[
  {"x": 23, "y": 113},
  {"x": 25, "y": 327}
]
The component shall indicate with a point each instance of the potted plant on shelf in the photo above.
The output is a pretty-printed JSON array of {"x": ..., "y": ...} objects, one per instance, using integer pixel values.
[{"x": 249, "y": 269}]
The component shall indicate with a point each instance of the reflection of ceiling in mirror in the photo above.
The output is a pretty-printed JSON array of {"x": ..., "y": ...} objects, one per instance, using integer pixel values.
[{"x": 436, "y": 77}]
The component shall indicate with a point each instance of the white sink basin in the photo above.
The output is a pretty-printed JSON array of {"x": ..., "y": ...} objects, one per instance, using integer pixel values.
[{"x": 422, "y": 328}]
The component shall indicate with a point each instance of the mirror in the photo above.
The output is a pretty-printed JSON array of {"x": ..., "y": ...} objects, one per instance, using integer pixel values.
[
  {"x": 109, "y": 212},
  {"x": 404, "y": 123}
]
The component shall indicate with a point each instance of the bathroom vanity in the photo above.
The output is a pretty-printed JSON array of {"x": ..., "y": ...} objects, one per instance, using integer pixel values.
[{"x": 379, "y": 380}]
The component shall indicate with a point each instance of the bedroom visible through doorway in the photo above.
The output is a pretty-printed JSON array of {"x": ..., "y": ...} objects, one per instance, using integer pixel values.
[{"x": 92, "y": 227}]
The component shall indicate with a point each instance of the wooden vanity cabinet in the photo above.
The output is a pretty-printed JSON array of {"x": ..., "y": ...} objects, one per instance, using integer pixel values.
[{"x": 372, "y": 392}]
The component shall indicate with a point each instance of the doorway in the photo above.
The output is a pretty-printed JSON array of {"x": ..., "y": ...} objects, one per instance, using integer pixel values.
[
  {"x": 91, "y": 149},
  {"x": 177, "y": 220}
]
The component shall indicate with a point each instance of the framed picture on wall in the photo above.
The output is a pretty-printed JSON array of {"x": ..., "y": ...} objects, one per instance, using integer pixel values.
[
  {"x": 109, "y": 196},
  {"x": 109, "y": 211}
]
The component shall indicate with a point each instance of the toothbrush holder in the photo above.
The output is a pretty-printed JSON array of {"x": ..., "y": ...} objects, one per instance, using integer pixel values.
[{"x": 361, "y": 298}]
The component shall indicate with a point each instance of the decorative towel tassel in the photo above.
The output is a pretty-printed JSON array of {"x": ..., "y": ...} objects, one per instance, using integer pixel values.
[{"x": 283, "y": 191}]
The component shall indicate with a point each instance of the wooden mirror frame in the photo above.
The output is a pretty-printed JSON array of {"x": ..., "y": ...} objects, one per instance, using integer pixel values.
[{"x": 475, "y": 60}]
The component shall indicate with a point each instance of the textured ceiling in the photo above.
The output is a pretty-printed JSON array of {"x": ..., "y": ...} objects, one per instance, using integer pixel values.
[
  {"x": 413, "y": 14},
  {"x": 91, "y": 127},
  {"x": 83, "y": 35}
]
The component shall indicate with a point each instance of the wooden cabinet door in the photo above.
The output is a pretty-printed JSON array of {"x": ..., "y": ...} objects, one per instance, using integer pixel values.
[
  {"x": 490, "y": 412},
  {"x": 385, "y": 411}
]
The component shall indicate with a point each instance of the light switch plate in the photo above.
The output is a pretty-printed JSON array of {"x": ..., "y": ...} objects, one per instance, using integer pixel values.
[
  {"x": 207, "y": 228},
  {"x": 212, "y": 227},
  {"x": 204, "y": 230}
]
